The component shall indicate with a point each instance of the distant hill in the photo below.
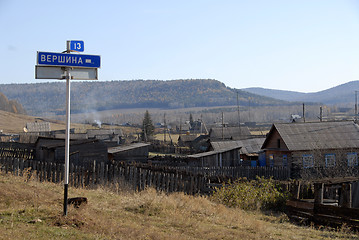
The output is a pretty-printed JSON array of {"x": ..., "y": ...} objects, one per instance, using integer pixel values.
[
  {"x": 12, "y": 106},
  {"x": 343, "y": 94},
  {"x": 42, "y": 98}
]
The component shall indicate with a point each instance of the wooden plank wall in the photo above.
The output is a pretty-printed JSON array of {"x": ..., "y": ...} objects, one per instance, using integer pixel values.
[
  {"x": 122, "y": 176},
  {"x": 277, "y": 173}
]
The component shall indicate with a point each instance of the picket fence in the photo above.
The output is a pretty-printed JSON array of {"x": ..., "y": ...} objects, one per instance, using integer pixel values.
[
  {"x": 121, "y": 176},
  {"x": 190, "y": 180},
  {"x": 248, "y": 172}
]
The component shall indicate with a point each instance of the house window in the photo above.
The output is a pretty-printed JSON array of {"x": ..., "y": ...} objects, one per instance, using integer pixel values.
[
  {"x": 308, "y": 161},
  {"x": 330, "y": 160},
  {"x": 352, "y": 159},
  {"x": 278, "y": 143},
  {"x": 285, "y": 161},
  {"x": 271, "y": 160}
]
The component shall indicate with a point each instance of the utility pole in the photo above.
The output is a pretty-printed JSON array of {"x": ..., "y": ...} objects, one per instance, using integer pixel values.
[
  {"x": 239, "y": 119},
  {"x": 164, "y": 126},
  {"x": 249, "y": 109},
  {"x": 180, "y": 128},
  {"x": 222, "y": 126},
  {"x": 356, "y": 106},
  {"x": 321, "y": 114},
  {"x": 303, "y": 112}
]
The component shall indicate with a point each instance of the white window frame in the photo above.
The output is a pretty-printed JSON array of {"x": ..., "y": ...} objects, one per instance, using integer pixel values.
[
  {"x": 330, "y": 160},
  {"x": 352, "y": 158},
  {"x": 308, "y": 160}
]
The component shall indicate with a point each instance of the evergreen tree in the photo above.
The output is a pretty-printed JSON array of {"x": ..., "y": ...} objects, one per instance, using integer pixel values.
[
  {"x": 147, "y": 127},
  {"x": 191, "y": 122}
]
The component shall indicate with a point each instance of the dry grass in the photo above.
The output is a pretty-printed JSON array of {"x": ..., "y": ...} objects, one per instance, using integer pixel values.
[{"x": 33, "y": 210}]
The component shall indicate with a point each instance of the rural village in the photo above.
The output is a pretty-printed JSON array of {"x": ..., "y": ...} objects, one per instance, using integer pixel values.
[
  {"x": 317, "y": 162},
  {"x": 166, "y": 120}
]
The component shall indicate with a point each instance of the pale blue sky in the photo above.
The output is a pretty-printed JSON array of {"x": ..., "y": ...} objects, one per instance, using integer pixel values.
[{"x": 303, "y": 45}]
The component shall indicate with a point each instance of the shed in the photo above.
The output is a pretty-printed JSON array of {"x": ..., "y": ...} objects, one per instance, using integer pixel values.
[
  {"x": 223, "y": 157},
  {"x": 81, "y": 151},
  {"x": 137, "y": 152}
]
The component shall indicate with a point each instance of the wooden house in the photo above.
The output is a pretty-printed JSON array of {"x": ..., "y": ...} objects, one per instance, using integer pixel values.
[
  {"x": 249, "y": 149},
  {"x": 319, "y": 149},
  {"x": 186, "y": 140},
  {"x": 81, "y": 151},
  {"x": 135, "y": 152},
  {"x": 223, "y": 154},
  {"x": 229, "y": 133}
]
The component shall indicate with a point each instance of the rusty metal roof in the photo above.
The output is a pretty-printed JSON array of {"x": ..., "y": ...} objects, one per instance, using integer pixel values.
[{"x": 318, "y": 135}]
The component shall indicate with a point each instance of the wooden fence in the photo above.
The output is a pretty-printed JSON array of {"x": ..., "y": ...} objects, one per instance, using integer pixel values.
[
  {"x": 307, "y": 212},
  {"x": 120, "y": 175},
  {"x": 190, "y": 180},
  {"x": 277, "y": 173}
]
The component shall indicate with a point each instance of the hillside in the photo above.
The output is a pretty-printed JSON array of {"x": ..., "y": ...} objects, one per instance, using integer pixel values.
[
  {"x": 49, "y": 98},
  {"x": 33, "y": 210},
  {"x": 10, "y": 105},
  {"x": 343, "y": 94},
  {"x": 15, "y": 123}
]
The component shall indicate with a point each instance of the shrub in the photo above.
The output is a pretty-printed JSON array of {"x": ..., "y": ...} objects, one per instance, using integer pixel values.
[{"x": 259, "y": 194}]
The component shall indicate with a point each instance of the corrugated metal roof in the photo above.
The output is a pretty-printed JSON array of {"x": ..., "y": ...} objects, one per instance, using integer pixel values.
[
  {"x": 234, "y": 133},
  {"x": 127, "y": 147},
  {"x": 225, "y": 145},
  {"x": 38, "y": 127},
  {"x": 319, "y": 135},
  {"x": 248, "y": 146},
  {"x": 204, "y": 154}
]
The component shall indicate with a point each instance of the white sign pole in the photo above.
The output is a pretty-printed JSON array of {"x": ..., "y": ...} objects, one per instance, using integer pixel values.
[{"x": 67, "y": 140}]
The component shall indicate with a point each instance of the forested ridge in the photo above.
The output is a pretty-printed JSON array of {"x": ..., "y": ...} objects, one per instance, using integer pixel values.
[
  {"x": 39, "y": 98},
  {"x": 10, "y": 105}
]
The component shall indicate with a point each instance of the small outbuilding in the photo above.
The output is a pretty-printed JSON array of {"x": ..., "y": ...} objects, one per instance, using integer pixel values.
[
  {"x": 135, "y": 152},
  {"x": 81, "y": 151},
  {"x": 222, "y": 155}
]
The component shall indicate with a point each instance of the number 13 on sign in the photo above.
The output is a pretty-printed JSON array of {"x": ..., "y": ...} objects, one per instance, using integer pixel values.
[{"x": 75, "y": 45}]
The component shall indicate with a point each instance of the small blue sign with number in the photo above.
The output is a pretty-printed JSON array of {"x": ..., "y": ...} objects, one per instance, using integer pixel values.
[{"x": 76, "y": 45}]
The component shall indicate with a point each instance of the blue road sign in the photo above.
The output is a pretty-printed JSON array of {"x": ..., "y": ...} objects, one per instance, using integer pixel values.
[
  {"x": 75, "y": 45},
  {"x": 68, "y": 60}
]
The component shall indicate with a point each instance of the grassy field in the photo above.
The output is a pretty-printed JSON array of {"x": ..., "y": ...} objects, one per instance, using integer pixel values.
[{"x": 33, "y": 210}]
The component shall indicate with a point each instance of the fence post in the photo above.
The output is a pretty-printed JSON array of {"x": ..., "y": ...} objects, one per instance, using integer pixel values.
[
  {"x": 318, "y": 193},
  {"x": 346, "y": 195}
]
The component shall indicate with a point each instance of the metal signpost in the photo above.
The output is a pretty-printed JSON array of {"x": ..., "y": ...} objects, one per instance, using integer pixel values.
[{"x": 67, "y": 66}]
